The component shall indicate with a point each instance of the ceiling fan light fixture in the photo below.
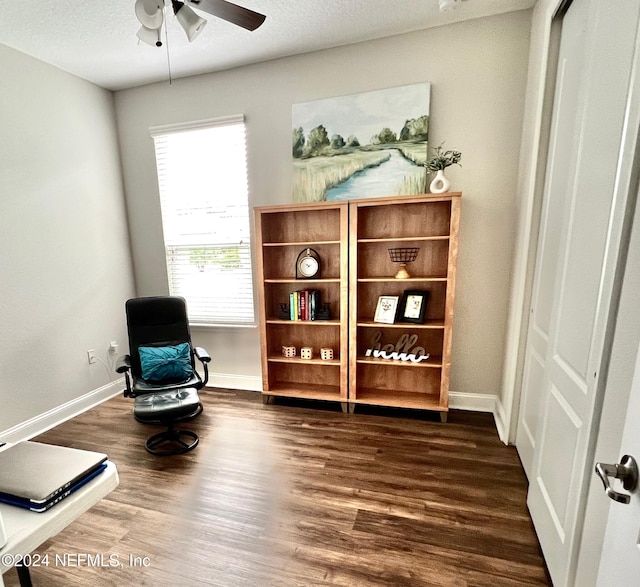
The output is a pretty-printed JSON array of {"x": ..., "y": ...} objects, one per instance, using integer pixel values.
[
  {"x": 150, "y": 13},
  {"x": 150, "y": 36},
  {"x": 446, "y": 5},
  {"x": 188, "y": 19}
]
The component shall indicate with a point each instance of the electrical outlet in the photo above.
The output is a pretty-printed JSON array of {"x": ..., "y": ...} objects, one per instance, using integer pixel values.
[{"x": 91, "y": 356}]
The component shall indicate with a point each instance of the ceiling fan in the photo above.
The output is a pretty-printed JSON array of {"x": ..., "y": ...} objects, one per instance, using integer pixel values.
[{"x": 150, "y": 13}]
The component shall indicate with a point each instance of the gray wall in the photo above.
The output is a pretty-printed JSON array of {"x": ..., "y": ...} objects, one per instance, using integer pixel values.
[
  {"x": 65, "y": 267},
  {"x": 478, "y": 73}
]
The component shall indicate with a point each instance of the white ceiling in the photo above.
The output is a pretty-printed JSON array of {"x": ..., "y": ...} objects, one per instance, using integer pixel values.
[{"x": 97, "y": 40}]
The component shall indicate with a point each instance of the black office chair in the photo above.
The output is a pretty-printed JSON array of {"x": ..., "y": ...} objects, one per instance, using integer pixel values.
[{"x": 160, "y": 370}]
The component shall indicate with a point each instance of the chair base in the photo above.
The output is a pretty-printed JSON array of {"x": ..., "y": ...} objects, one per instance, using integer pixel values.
[
  {"x": 167, "y": 407},
  {"x": 172, "y": 442}
]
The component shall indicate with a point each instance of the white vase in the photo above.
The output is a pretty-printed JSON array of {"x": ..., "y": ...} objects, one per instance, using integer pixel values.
[{"x": 440, "y": 183}]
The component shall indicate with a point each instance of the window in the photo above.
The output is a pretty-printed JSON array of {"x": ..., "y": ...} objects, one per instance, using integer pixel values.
[{"x": 202, "y": 175}]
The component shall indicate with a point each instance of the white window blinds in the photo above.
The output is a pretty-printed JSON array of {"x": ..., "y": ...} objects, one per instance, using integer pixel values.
[{"x": 202, "y": 176}]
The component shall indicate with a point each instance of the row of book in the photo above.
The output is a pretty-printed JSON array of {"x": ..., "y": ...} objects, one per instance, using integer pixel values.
[{"x": 304, "y": 304}]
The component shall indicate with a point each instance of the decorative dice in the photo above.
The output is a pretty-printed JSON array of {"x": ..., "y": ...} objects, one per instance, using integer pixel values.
[
  {"x": 326, "y": 354},
  {"x": 306, "y": 352},
  {"x": 288, "y": 351}
]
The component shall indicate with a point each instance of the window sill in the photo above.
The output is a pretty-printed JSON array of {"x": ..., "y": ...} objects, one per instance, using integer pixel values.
[{"x": 221, "y": 326}]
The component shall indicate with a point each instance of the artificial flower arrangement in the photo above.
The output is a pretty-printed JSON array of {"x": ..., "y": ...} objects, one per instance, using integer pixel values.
[{"x": 442, "y": 159}]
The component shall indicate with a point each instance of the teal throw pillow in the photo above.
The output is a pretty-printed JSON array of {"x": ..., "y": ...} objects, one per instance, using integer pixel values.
[{"x": 166, "y": 363}]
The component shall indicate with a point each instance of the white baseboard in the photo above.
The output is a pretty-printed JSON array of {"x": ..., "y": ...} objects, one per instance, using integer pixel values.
[
  {"x": 474, "y": 402},
  {"x": 58, "y": 415},
  {"x": 499, "y": 416},
  {"x": 231, "y": 381}
]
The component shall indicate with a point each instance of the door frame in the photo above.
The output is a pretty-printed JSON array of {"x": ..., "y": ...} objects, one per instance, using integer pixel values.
[{"x": 542, "y": 67}]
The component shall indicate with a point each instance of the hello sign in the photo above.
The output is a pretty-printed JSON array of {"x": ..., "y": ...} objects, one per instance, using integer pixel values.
[{"x": 403, "y": 350}]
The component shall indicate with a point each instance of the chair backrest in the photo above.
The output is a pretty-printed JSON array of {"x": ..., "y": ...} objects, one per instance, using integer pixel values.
[{"x": 155, "y": 321}]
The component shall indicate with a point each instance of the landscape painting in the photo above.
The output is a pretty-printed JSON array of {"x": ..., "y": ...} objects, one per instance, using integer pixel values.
[{"x": 361, "y": 146}]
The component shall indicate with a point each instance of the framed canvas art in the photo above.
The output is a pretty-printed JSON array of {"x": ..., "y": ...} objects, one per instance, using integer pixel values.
[{"x": 361, "y": 146}]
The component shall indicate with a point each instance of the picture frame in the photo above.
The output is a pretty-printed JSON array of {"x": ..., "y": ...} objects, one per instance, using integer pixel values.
[
  {"x": 413, "y": 307},
  {"x": 386, "y": 309}
]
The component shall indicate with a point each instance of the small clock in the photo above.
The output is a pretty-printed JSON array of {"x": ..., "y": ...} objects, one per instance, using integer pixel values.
[{"x": 308, "y": 264}]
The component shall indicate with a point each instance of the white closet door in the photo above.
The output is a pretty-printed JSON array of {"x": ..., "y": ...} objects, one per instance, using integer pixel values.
[{"x": 574, "y": 284}]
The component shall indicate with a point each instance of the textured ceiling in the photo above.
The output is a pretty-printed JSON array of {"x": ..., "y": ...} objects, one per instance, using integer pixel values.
[{"x": 97, "y": 40}]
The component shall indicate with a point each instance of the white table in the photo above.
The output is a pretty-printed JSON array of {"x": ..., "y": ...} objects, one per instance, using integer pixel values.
[{"x": 26, "y": 530}]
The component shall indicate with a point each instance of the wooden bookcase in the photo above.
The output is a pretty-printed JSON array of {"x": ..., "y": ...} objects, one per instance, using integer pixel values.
[
  {"x": 353, "y": 241},
  {"x": 281, "y": 233},
  {"x": 429, "y": 222}
]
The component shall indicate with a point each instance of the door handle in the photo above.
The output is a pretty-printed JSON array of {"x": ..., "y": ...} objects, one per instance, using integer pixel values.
[{"x": 626, "y": 471}]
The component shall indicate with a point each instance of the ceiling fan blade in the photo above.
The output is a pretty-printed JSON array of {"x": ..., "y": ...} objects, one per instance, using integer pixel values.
[{"x": 232, "y": 13}]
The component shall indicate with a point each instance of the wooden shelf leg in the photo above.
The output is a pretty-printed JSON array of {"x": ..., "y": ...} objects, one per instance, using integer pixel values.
[
  {"x": 266, "y": 399},
  {"x": 345, "y": 407},
  {"x": 443, "y": 417},
  {"x": 352, "y": 408}
]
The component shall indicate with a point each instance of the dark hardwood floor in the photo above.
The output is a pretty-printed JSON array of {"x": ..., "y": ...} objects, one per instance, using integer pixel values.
[{"x": 299, "y": 494}]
